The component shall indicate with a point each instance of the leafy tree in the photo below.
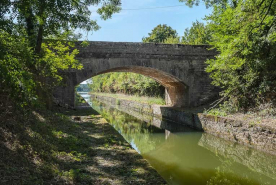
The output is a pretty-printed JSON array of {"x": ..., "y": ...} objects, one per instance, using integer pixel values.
[
  {"x": 197, "y": 34},
  {"x": 40, "y": 18},
  {"x": 246, "y": 39},
  {"x": 31, "y": 21},
  {"x": 244, "y": 34},
  {"x": 160, "y": 33},
  {"x": 16, "y": 80}
]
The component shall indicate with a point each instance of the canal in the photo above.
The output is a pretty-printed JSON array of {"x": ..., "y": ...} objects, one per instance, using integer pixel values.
[{"x": 184, "y": 156}]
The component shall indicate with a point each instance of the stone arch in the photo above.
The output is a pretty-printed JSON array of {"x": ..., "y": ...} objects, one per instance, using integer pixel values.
[
  {"x": 176, "y": 92},
  {"x": 179, "y": 68}
]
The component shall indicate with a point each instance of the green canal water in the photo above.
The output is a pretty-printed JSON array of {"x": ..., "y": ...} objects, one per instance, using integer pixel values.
[{"x": 184, "y": 156}]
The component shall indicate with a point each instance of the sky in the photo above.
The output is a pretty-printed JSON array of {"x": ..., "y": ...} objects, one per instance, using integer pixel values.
[{"x": 133, "y": 25}]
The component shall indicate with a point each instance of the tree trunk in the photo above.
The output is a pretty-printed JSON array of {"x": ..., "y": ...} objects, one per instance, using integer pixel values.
[{"x": 39, "y": 39}]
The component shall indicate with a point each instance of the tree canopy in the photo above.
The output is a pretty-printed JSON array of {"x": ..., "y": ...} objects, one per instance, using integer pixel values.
[
  {"x": 197, "y": 34},
  {"x": 243, "y": 31},
  {"x": 30, "y": 66},
  {"x": 246, "y": 39},
  {"x": 40, "y": 19},
  {"x": 160, "y": 33}
]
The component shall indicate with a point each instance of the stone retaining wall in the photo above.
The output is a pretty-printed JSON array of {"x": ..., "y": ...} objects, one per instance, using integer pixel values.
[
  {"x": 258, "y": 136},
  {"x": 162, "y": 112}
]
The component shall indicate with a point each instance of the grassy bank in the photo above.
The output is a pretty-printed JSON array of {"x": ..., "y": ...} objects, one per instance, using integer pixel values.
[
  {"x": 75, "y": 147},
  {"x": 141, "y": 99},
  {"x": 264, "y": 114}
]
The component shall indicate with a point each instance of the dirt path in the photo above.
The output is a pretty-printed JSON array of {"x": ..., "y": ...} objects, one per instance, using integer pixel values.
[{"x": 78, "y": 147}]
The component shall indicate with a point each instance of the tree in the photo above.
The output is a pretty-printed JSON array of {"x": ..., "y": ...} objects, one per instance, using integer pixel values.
[
  {"x": 246, "y": 39},
  {"x": 197, "y": 34},
  {"x": 244, "y": 34},
  {"x": 40, "y": 19},
  {"x": 160, "y": 33},
  {"x": 31, "y": 21}
]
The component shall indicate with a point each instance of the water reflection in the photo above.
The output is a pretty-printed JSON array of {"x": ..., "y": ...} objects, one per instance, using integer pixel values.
[{"x": 183, "y": 156}]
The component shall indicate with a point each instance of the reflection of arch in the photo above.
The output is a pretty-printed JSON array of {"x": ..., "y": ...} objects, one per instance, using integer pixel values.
[{"x": 176, "y": 91}]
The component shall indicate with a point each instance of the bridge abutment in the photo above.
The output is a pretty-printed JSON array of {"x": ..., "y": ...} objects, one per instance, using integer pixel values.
[{"x": 177, "y": 95}]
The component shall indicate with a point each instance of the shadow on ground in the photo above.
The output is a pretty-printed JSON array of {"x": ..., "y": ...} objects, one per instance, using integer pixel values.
[{"x": 69, "y": 147}]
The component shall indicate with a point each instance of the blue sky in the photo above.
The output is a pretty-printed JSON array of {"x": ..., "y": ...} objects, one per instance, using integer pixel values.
[{"x": 132, "y": 26}]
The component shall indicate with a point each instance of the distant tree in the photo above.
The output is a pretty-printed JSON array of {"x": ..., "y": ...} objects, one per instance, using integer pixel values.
[
  {"x": 160, "y": 33},
  {"x": 197, "y": 34},
  {"x": 127, "y": 83}
]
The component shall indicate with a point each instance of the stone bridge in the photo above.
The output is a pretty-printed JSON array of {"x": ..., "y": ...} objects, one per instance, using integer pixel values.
[{"x": 179, "y": 68}]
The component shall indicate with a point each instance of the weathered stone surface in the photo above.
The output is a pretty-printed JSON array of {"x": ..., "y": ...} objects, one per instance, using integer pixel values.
[
  {"x": 143, "y": 112},
  {"x": 161, "y": 112},
  {"x": 179, "y": 68},
  {"x": 258, "y": 136}
]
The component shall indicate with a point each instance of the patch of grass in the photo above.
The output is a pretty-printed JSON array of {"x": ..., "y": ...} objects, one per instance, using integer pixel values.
[
  {"x": 216, "y": 112},
  {"x": 263, "y": 114}
]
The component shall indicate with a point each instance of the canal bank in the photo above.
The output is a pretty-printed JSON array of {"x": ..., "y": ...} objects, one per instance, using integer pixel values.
[
  {"x": 68, "y": 147},
  {"x": 182, "y": 155},
  {"x": 259, "y": 136}
]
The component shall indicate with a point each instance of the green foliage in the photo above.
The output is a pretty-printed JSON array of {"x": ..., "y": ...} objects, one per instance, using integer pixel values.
[
  {"x": 223, "y": 110},
  {"x": 243, "y": 32},
  {"x": 246, "y": 39},
  {"x": 126, "y": 83},
  {"x": 79, "y": 100},
  {"x": 197, "y": 34},
  {"x": 16, "y": 79},
  {"x": 49, "y": 17},
  {"x": 55, "y": 56},
  {"x": 160, "y": 33},
  {"x": 208, "y": 3},
  {"x": 30, "y": 65},
  {"x": 172, "y": 40}
]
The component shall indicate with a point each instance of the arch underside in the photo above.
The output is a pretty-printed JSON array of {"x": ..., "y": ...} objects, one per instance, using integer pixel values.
[{"x": 177, "y": 93}]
